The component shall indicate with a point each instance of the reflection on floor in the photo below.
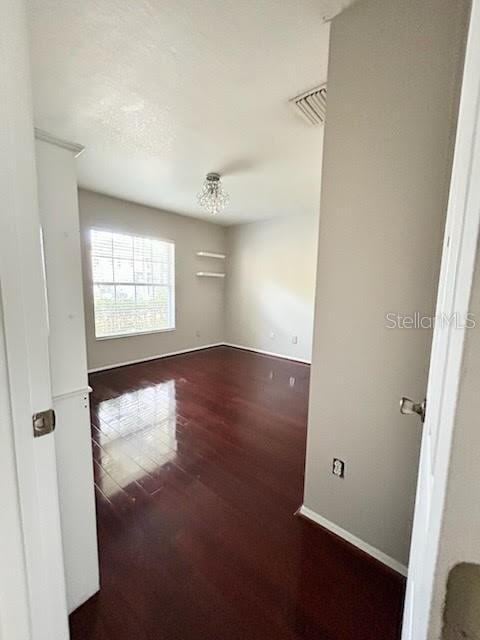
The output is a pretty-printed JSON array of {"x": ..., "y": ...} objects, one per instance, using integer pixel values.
[
  {"x": 199, "y": 468},
  {"x": 136, "y": 435}
]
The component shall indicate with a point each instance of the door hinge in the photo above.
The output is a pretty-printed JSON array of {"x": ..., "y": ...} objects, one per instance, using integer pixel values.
[{"x": 43, "y": 423}]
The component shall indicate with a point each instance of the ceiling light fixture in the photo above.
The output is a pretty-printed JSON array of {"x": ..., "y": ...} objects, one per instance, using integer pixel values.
[{"x": 212, "y": 196}]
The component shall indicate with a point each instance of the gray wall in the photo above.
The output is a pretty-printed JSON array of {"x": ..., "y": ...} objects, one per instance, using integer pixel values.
[
  {"x": 393, "y": 75},
  {"x": 271, "y": 285},
  {"x": 461, "y": 616},
  {"x": 199, "y": 301}
]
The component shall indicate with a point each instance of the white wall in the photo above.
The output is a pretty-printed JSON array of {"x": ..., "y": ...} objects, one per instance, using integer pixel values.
[
  {"x": 199, "y": 301},
  {"x": 271, "y": 284},
  {"x": 393, "y": 74}
]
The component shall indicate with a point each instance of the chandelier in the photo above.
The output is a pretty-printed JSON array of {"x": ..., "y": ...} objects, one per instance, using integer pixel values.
[{"x": 212, "y": 196}]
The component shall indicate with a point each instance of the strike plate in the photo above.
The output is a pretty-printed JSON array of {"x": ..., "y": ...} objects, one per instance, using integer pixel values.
[{"x": 43, "y": 423}]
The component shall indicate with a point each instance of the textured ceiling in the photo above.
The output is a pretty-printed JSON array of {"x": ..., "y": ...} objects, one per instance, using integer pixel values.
[{"x": 162, "y": 91}]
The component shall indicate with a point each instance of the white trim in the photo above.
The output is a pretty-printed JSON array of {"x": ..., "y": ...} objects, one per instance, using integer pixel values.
[
  {"x": 132, "y": 335},
  {"x": 205, "y": 346},
  {"x": 77, "y": 603},
  {"x": 82, "y": 391},
  {"x": 14, "y": 606},
  {"x": 267, "y": 353},
  {"x": 74, "y": 147},
  {"x": 115, "y": 227},
  {"x": 157, "y": 357},
  {"x": 25, "y": 337},
  {"x": 349, "y": 537}
]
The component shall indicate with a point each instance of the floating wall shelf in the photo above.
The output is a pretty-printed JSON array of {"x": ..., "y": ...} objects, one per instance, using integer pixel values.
[
  {"x": 210, "y": 274},
  {"x": 210, "y": 254}
]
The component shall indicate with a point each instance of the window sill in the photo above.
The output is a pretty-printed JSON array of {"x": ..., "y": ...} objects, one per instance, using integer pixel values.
[{"x": 132, "y": 335}]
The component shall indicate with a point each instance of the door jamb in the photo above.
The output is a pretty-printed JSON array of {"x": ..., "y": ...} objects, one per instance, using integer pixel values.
[{"x": 464, "y": 215}]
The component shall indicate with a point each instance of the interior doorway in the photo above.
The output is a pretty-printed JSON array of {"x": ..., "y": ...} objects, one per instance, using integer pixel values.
[{"x": 203, "y": 451}]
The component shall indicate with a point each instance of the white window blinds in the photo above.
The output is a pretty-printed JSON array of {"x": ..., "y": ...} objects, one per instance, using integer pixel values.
[{"x": 133, "y": 284}]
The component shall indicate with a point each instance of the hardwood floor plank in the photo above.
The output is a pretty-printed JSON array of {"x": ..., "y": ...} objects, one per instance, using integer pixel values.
[{"x": 198, "y": 466}]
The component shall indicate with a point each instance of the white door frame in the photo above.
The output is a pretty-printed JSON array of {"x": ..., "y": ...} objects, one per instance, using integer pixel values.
[
  {"x": 14, "y": 607},
  {"x": 33, "y": 607},
  {"x": 455, "y": 285},
  {"x": 39, "y": 610}
]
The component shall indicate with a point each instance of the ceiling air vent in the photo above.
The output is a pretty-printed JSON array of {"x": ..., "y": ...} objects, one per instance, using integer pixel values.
[{"x": 311, "y": 105}]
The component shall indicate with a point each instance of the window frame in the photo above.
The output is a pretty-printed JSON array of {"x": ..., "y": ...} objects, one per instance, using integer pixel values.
[{"x": 172, "y": 286}]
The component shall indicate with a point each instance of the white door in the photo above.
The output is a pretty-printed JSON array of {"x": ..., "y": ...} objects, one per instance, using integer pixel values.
[
  {"x": 41, "y": 613},
  {"x": 459, "y": 252}
]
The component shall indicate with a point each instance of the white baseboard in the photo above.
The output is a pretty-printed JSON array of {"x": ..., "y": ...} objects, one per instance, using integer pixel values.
[
  {"x": 204, "y": 346},
  {"x": 349, "y": 537},
  {"x": 162, "y": 355},
  {"x": 267, "y": 353}
]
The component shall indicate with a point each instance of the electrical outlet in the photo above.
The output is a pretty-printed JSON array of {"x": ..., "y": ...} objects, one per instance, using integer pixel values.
[
  {"x": 338, "y": 468},
  {"x": 272, "y": 335},
  {"x": 294, "y": 339},
  {"x": 197, "y": 333}
]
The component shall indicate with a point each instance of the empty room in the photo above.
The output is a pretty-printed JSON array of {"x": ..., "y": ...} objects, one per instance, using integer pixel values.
[{"x": 238, "y": 294}]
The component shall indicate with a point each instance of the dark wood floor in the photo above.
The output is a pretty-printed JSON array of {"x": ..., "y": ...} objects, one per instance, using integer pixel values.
[{"x": 199, "y": 469}]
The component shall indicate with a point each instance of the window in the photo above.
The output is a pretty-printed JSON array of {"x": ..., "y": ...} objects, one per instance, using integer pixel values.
[{"x": 133, "y": 284}]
